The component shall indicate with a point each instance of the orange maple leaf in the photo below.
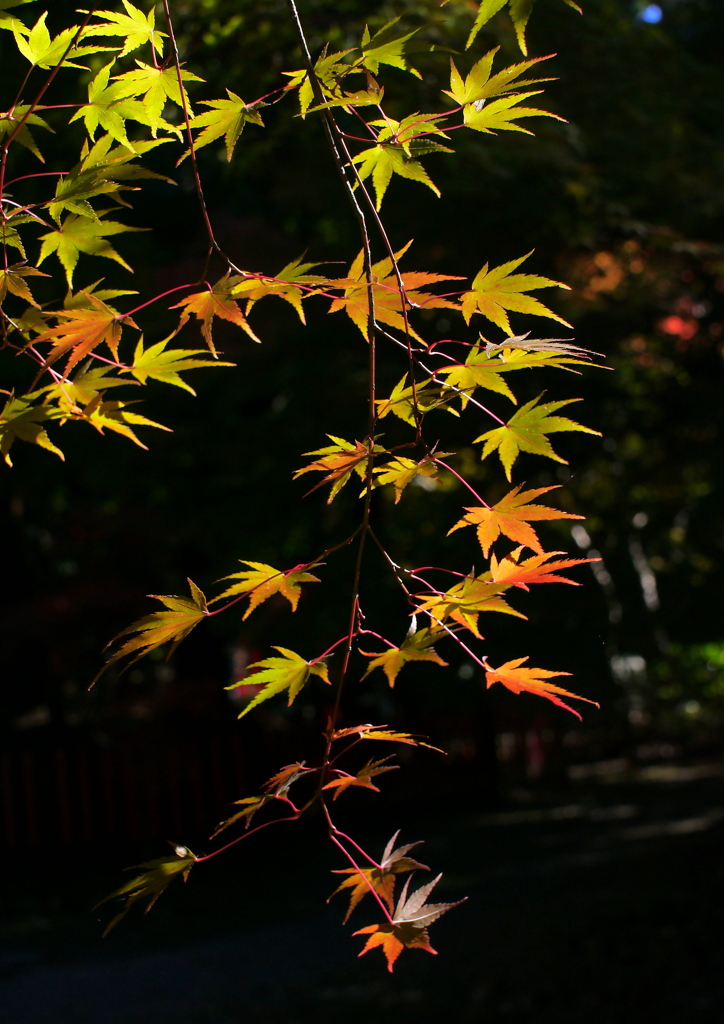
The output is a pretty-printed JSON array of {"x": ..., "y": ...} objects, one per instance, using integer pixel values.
[
  {"x": 509, "y": 517},
  {"x": 339, "y": 461},
  {"x": 388, "y": 300},
  {"x": 381, "y": 879},
  {"x": 82, "y": 331},
  {"x": 408, "y": 927},
  {"x": 538, "y": 569},
  {"x": 216, "y": 301},
  {"x": 532, "y": 680},
  {"x": 363, "y": 778}
]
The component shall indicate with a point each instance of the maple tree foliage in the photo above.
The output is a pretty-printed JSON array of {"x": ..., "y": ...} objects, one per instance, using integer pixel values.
[{"x": 81, "y": 343}]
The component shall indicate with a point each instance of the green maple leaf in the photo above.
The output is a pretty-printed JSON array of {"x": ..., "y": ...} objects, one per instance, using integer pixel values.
[
  {"x": 392, "y": 46},
  {"x": 497, "y": 290},
  {"x": 329, "y": 72},
  {"x": 158, "y": 364},
  {"x": 20, "y": 420},
  {"x": 500, "y": 115},
  {"x": 401, "y": 471},
  {"x": 478, "y": 84},
  {"x": 527, "y": 430},
  {"x": 109, "y": 107},
  {"x": 519, "y": 14},
  {"x": 156, "y": 876},
  {"x": 478, "y": 371},
  {"x": 80, "y": 234},
  {"x": 398, "y": 144},
  {"x": 156, "y": 86},
  {"x": 291, "y": 284},
  {"x": 181, "y": 615},
  {"x": 12, "y": 280},
  {"x": 404, "y": 401},
  {"x": 227, "y": 118},
  {"x": 417, "y": 647},
  {"x": 44, "y": 52},
  {"x": 9, "y": 124},
  {"x": 9, "y": 21},
  {"x": 137, "y": 27},
  {"x": 290, "y": 672}
]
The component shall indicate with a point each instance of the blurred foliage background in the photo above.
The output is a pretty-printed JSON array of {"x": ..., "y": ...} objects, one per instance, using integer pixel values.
[{"x": 624, "y": 202}]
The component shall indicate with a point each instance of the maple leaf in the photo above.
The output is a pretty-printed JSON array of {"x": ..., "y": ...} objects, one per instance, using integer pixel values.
[
  {"x": 227, "y": 118},
  {"x": 137, "y": 27},
  {"x": 155, "y": 878},
  {"x": 392, "y": 46},
  {"x": 537, "y": 569},
  {"x": 156, "y": 86},
  {"x": 412, "y": 917},
  {"x": 519, "y": 679},
  {"x": 115, "y": 416},
  {"x": 519, "y": 14},
  {"x": 329, "y": 70},
  {"x": 263, "y": 581},
  {"x": 395, "y": 152},
  {"x": 81, "y": 234},
  {"x": 110, "y": 106},
  {"x": 417, "y": 647},
  {"x": 401, "y": 471},
  {"x": 82, "y": 391},
  {"x": 386, "y": 292},
  {"x": 250, "y": 805},
  {"x": 13, "y": 280},
  {"x": 158, "y": 364},
  {"x": 339, "y": 461},
  {"x": 381, "y": 732},
  {"x": 381, "y": 879},
  {"x": 478, "y": 85},
  {"x": 404, "y": 402},
  {"x": 527, "y": 430},
  {"x": 9, "y": 126},
  {"x": 523, "y": 352},
  {"x": 291, "y": 283},
  {"x": 290, "y": 672},
  {"x": 464, "y": 602},
  {"x": 216, "y": 301},
  {"x": 363, "y": 778},
  {"x": 511, "y": 516},
  {"x": 497, "y": 290},
  {"x": 44, "y": 52},
  {"x": 23, "y": 421},
  {"x": 181, "y": 615},
  {"x": 82, "y": 331},
  {"x": 501, "y": 114},
  {"x": 478, "y": 371}
]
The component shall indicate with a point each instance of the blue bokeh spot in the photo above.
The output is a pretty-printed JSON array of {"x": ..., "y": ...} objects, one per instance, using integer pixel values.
[{"x": 651, "y": 14}]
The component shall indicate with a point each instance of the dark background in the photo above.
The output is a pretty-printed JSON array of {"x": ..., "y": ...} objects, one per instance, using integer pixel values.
[{"x": 574, "y": 914}]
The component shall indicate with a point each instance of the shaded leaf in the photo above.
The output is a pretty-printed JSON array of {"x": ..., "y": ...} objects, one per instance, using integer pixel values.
[
  {"x": 227, "y": 118},
  {"x": 362, "y": 779},
  {"x": 155, "y": 877},
  {"x": 20, "y": 420},
  {"x": 401, "y": 471},
  {"x": 170, "y": 626}
]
